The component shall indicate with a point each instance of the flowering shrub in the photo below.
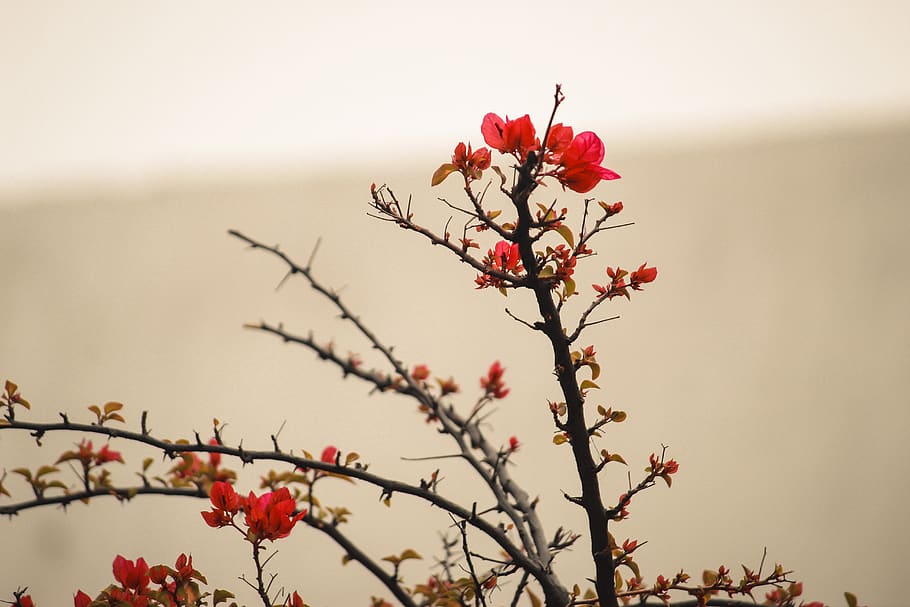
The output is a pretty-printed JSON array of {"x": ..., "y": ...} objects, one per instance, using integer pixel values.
[{"x": 535, "y": 254}]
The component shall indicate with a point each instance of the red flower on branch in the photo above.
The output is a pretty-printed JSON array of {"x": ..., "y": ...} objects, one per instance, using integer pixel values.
[
  {"x": 131, "y": 575},
  {"x": 81, "y": 599},
  {"x": 270, "y": 516},
  {"x": 329, "y": 454},
  {"x": 225, "y": 504},
  {"x": 492, "y": 382},
  {"x": 642, "y": 275},
  {"x": 516, "y": 137},
  {"x": 470, "y": 163},
  {"x": 579, "y": 166},
  {"x": 504, "y": 257}
]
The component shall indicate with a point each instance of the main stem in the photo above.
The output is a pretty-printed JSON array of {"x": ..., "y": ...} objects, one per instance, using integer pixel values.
[{"x": 576, "y": 426}]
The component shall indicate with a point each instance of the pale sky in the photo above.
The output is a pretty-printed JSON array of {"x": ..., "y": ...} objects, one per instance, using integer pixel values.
[{"x": 112, "y": 91}]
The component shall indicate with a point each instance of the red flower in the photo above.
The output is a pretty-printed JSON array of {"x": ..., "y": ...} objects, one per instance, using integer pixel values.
[
  {"x": 420, "y": 372},
  {"x": 24, "y": 601},
  {"x": 133, "y": 576},
  {"x": 81, "y": 599},
  {"x": 504, "y": 257},
  {"x": 466, "y": 161},
  {"x": 671, "y": 467},
  {"x": 295, "y": 601},
  {"x": 214, "y": 458},
  {"x": 558, "y": 141},
  {"x": 510, "y": 136},
  {"x": 514, "y": 444},
  {"x": 580, "y": 168},
  {"x": 492, "y": 383},
  {"x": 269, "y": 516},
  {"x": 225, "y": 504},
  {"x": 106, "y": 455},
  {"x": 642, "y": 275},
  {"x": 329, "y": 454}
]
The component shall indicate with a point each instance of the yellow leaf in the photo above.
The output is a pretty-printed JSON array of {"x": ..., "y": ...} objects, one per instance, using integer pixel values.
[
  {"x": 559, "y": 439},
  {"x": 442, "y": 172},
  {"x": 587, "y": 385},
  {"x": 112, "y": 406}
]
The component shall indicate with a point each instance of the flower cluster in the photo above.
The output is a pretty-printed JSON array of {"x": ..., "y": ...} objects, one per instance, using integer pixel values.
[
  {"x": 505, "y": 258},
  {"x": 573, "y": 160},
  {"x": 191, "y": 470},
  {"x": 269, "y": 516},
  {"x": 492, "y": 382},
  {"x": 619, "y": 286}
]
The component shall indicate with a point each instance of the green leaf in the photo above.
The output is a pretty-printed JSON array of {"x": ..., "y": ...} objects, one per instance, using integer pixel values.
[
  {"x": 616, "y": 457},
  {"x": 442, "y": 172},
  {"x": 595, "y": 370},
  {"x": 618, "y": 417},
  {"x": 220, "y": 596},
  {"x": 708, "y": 577},
  {"x": 851, "y": 599},
  {"x": 566, "y": 232}
]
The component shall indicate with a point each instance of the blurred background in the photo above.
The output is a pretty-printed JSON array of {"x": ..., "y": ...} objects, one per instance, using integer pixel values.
[{"x": 764, "y": 149}]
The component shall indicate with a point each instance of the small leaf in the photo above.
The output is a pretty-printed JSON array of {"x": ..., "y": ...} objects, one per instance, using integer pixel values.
[
  {"x": 851, "y": 599},
  {"x": 616, "y": 457},
  {"x": 345, "y": 559},
  {"x": 535, "y": 600},
  {"x": 569, "y": 288},
  {"x": 595, "y": 370},
  {"x": 94, "y": 409},
  {"x": 618, "y": 417},
  {"x": 45, "y": 470},
  {"x": 11, "y": 387},
  {"x": 709, "y": 577},
  {"x": 587, "y": 385},
  {"x": 566, "y": 232},
  {"x": 220, "y": 596},
  {"x": 112, "y": 406},
  {"x": 559, "y": 439},
  {"x": 601, "y": 411},
  {"x": 350, "y": 458},
  {"x": 409, "y": 554},
  {"x": 442, "y": 172},
  {"x": 116, "y": 417}
]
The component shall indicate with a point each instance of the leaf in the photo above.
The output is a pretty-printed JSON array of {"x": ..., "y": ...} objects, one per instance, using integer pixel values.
[
  {"x": 567, "y": 234},
  {"x": 94, "y": 409},
  {"x": 851, "y": 599},
  {"x": 116, "y": 417},
  {"x": 616, "y": 457},
  {"x": 570, "y": 288},
  {"x": 618, "y": 417},
  {"x": 220, "y": 596},
  {"x": 345, "y": 559},
  {"x": 442, "y": 172},
  {"x": 24, "y": 472},
  {"x": 558, "y": 439},
  {"x": 350, "y": 458},
  {"x": 409, "y": 554},
  {"x": 709, "y": 577},
  {"x": 595, "y": 370},
  {"x": 535, "y": 600},
  {"x": 587, "y": 385},
  {"x": 112, "y": 406},
  {"x": 601, "y": 411},
  {"x": 45, "y": 470},
  {"x": 12, "y": 387}
]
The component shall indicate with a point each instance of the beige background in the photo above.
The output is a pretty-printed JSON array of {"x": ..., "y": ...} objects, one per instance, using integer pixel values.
[{"x": 771, "y": 355}]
